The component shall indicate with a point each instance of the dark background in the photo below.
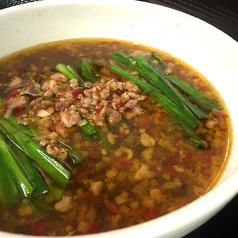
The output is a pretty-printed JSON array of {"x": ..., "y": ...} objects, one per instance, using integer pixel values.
[{"x": 222, "y": 14}]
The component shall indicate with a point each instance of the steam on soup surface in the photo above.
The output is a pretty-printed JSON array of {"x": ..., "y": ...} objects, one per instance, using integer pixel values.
[{"x": 124, "y": 160}]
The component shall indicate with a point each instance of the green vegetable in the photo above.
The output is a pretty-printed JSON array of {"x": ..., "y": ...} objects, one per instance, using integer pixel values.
[
  {"x": 37, "y": 88},
  {"x": 199, "y": 97},
  {"x": 53, "y": 189},
  {"x": 88, "y": 128},
  {"x": 64, "y": 70},
  {"x": 70, "y": 73},
  {"x": 103, "y": 138},
  {"x": 87, "y": 69},
  {"x": 58, "y": 173},
  {"x": 40, "y": 207},
  {"x": 8, "y": 190},
  {"x": 32, "y": 132},
  {"x": 29, "y": 168},
  {"x": 24, "y": 186},
  {"x": 176, "y": 113},
  {"x": 74, "y": 154},
  {"x": 146, "y": 71}
]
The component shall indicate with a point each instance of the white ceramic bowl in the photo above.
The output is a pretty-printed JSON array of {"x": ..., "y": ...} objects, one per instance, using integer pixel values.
[{"x": 204, "y": 47}]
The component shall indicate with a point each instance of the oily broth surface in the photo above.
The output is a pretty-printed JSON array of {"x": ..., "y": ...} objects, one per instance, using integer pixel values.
[{"x": 179, "y": 172}]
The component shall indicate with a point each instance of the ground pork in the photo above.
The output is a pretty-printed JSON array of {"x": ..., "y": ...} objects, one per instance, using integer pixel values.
[
  {"x": 144, "y": 173},
  {"x": 20, "y": 102},
  {"x": 96, "y": 187},
  {"x": 69, "y": 117},
  {"x": 57, "y": 151},
  {"x": 65, "y": 204}
]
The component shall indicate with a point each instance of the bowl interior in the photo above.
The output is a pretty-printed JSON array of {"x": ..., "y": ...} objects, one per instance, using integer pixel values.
[{"x": 204, "y": 47}]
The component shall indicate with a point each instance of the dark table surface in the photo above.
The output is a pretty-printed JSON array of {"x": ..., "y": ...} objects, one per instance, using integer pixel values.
[{"x": 222, "y": 14}]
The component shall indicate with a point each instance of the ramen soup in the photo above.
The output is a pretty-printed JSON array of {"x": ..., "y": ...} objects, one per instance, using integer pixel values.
[{"x": 99, "y": 134}]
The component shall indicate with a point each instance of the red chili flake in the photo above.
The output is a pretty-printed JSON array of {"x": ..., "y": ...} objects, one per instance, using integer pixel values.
[
  {"x": 219, "y": 114},
  {"x": 122, "y": 161},
  {"x": 222, "y": 129},
  {"x": 205, "y": 144},
  {"x": 135, "y": 212},
  {"x": 97, "y": 110},
  {"x": 172, "y": 157},
  {"x": 153, "y": 212},
  {"x": 118, "y": 92},
  {"x": 153, "y": 168},
  {"x": 178, "y": 66},
  {"x": 17, "y": 112},
  {"x": 66, "y": 52},
  {"x": 159, "y": 131},
  {"x": 104, "y": 42},
  {"x": 163, "y": 210},
  {"x": 214, "y": 150},
  {"x": 76, "y": 92},
  {"x": 14, "y": 72},
  {"x": 177, "y": 138},
  {"x": 28, "y": 221},
  {"x": 207, "y": 157},
  {"x": 12, "y": 95},
  {"x": 81, "y": 176},
  {"x": 112, "y": 207},
  {"x": 194, "y": 77},
  {"x": 99, "y": 146},
  {"x": 145, "y": 212},
  {"x": 39, "y": 227},
  {"x": 151, "y": 133},
  {"x": 37, "y": 77},
  {"x": 201, "y": 88},
  {"x": 186, "y": 162},
  {"x": 146, "y": 118},
  {"x": 67, "y": 222},
  {"x": 56, "y": 102},
  {"x": 92, "y": 152},
  {"x": 176, "y": 72},
  {"x": 206, "y": 174},
  {"x": 115, "y": 42},
  {"x": 121, "y": 134},
  {"x": 28, "y": 84},
  {"x": 20, "y": 66},
  {"x": 170, "y": 170},
  {"x": 167, "y": 60},
  {"x": 98, "y": 92},
  {"x": 163, "y": 116},
  {"x": 182, "y": 77},
  {"x": 62, "y": 93},
  {"x": 145, "y": 125},
  {"x": 86, "y": 108},
  {"x": 51, "y": 127},
  {"x": 117, "y": 166},
  {"x": 117, "y": 105},
  {"x": 4, "y": 109},
  {"x": 87, "y": 195},
  {"x": 183, "y": 202},
  {"x": 13, "y": 89},
  {"x": 184, "y": 176},
  {"x": 93, "y": 227}
]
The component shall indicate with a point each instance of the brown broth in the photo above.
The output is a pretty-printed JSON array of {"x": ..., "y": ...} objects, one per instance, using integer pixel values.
[{"x": 177, "y": 171}]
